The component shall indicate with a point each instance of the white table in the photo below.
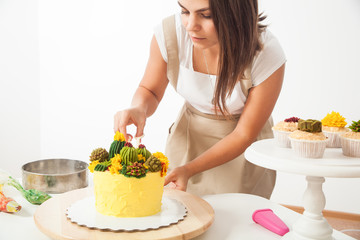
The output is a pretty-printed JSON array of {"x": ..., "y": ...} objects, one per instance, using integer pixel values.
[
  {"x": 311, "y": 224},
  {"x": 20, "y": 225},
  {"x": 232, "y": 219}
]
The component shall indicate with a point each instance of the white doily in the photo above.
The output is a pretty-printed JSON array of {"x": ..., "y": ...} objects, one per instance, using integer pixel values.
[{"x": 83, "y": 213}]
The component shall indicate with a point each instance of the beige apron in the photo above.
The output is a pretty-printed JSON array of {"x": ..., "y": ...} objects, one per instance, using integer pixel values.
[{"x": 194, "y": 132}]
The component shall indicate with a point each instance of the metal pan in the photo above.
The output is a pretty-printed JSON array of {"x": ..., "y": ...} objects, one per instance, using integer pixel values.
[{"x": 55, "y": 175}]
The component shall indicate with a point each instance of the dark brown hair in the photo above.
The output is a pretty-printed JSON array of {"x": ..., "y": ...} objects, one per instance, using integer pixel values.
[{"x": 237, "y": 23}]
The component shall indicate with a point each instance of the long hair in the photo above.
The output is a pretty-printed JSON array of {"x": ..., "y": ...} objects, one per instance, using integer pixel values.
[{"x": 238, "y": 26}]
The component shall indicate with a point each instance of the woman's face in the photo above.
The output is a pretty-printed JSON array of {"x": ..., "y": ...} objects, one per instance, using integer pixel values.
[{"x": 196, "y": 18}]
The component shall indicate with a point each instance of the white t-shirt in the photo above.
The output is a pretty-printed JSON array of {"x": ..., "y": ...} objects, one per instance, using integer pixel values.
[{"x": 198, "y": 88}]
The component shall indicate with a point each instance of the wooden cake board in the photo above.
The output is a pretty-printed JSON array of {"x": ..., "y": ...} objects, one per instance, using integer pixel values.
[{"x": 51, "y": 219}]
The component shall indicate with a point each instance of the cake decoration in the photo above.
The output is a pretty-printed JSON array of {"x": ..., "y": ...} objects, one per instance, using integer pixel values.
[
  {"x": 309, "y": 125},
  {"x": 334, "y": 119},
  {"x": 141, "y": 159},
  {"x": 102, "y": 166},
  {"x": 292, "y": 119},
  {"x": 92, "y": 165},
  {"x": 99, "y": 154},
  {"x": 117, "y": 144},
  {"x": 333, "y": 125},
  {"x": 128, "y": 154},
  {"x": 309, "y": 141},
  {"x": 282, "y": 130},
  {"x": 287, "y": 125},
  {"x": 135, "y": 170},
  {"x": 153, "y": 164},
  {"x": 350, "y": 141},
  {"x": 164, "y": 162},
  {"x": 119, "y": 137},
  {"x": 129, "y": 162},
  {"x": 115, "y": 166},
  {"x": 355, "y": 126},
  {"x": 143, "y": 151},
  {"x": 124, "y": 185}
]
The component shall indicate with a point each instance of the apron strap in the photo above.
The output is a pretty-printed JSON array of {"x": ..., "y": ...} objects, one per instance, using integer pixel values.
[
  {"x": 169, "y": 29},
  {"x": 173, "y": 65},
  {"x": 246, "y": 83}
]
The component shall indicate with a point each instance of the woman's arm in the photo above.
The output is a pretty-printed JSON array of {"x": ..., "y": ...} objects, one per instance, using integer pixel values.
[
  {"x": 257, "y": 110},
  {"x": 147, "y": 96}
]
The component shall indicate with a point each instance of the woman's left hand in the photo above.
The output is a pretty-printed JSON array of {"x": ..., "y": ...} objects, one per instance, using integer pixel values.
[{"x": 177, "y": 178}]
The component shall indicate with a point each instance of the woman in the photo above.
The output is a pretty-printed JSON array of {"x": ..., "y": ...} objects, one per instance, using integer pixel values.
[{"x": 230, "y": 71}]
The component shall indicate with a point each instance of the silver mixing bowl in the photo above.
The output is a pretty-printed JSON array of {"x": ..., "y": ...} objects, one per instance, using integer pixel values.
[{"x": 55, "y": 175}]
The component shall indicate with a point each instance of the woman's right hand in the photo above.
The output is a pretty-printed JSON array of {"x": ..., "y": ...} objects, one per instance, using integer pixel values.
[{"x": 133, "y": 115}]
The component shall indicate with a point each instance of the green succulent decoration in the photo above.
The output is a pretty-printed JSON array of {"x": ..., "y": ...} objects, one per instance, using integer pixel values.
[
  {"x": 99, "y": 154},
  {"x": 103, "y": 166},
  {"x": 355, "y": 126},
  {"x": 153, "y": 164},
  {"x": 135, "y": 170},
  {"x": 115, "y": 148},
  {"x": 128, "y": 154},
  {"x": 143, "y": 151},
  {"x": 123, "y": 158},
  {"x": 310, "y": 125}
]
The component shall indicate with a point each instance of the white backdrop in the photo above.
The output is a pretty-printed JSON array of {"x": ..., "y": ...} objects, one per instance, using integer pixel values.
[{"x": 67, "y": 66}]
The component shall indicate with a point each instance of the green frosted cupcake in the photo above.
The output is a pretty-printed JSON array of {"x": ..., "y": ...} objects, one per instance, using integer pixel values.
[
  {"x": 350, "y": 141},
  {"x": 308, "y": 141}
]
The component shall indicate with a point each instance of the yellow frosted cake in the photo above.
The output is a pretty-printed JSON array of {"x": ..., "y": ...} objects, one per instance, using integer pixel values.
[
  {"x": 121, "y": 196},
  {"x": 128, "y": 181}
]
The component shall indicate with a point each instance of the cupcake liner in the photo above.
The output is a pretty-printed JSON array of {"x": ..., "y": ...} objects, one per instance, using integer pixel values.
[
  {"x": 334, "y": 139},
  {"x": 350, "y": 147},
  {"x": 308, "y": 148},
  {"x": 282, "y": 138}
]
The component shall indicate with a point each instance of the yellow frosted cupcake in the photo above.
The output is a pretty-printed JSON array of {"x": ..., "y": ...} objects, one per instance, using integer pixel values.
[
  {"x": 309, "y": 141},
  {"x": 350, "y": 141},
  {"x": 333, "y": 126},
  {"x": 282, "y": 130}
]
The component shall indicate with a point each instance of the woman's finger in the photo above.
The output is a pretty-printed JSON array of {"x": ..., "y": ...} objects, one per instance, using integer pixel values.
[
  {"x": 169, "y": 178},
  {"x": 116, "y": 122}
]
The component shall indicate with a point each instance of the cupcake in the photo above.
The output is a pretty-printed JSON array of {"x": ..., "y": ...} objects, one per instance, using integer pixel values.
[
  {"x": 333, "y": 125},
  {"x": 283, "y": 129},
  {"x": 308, "y": 141},
  {"x": 350, "y": 141}
]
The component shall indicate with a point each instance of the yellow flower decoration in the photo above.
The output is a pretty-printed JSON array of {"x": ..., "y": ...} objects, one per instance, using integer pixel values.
[
  {"x": 92, "y": 165},
  {"x": 119, "y": 136},
  {"x": 141, "y": 157},
  {"x": 164, "y": 162},
  {"x": 334, "y": 119},
  {"x": 115, "y": 164}
]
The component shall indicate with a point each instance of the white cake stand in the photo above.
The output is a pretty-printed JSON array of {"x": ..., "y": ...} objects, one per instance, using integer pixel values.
[{"x": 312, "y": 224}]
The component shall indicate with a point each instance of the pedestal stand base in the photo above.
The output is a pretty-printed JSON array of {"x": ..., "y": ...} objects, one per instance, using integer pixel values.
[
  {"x": 312, "y": 225},
  {"x": 294, "y": 236}
]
